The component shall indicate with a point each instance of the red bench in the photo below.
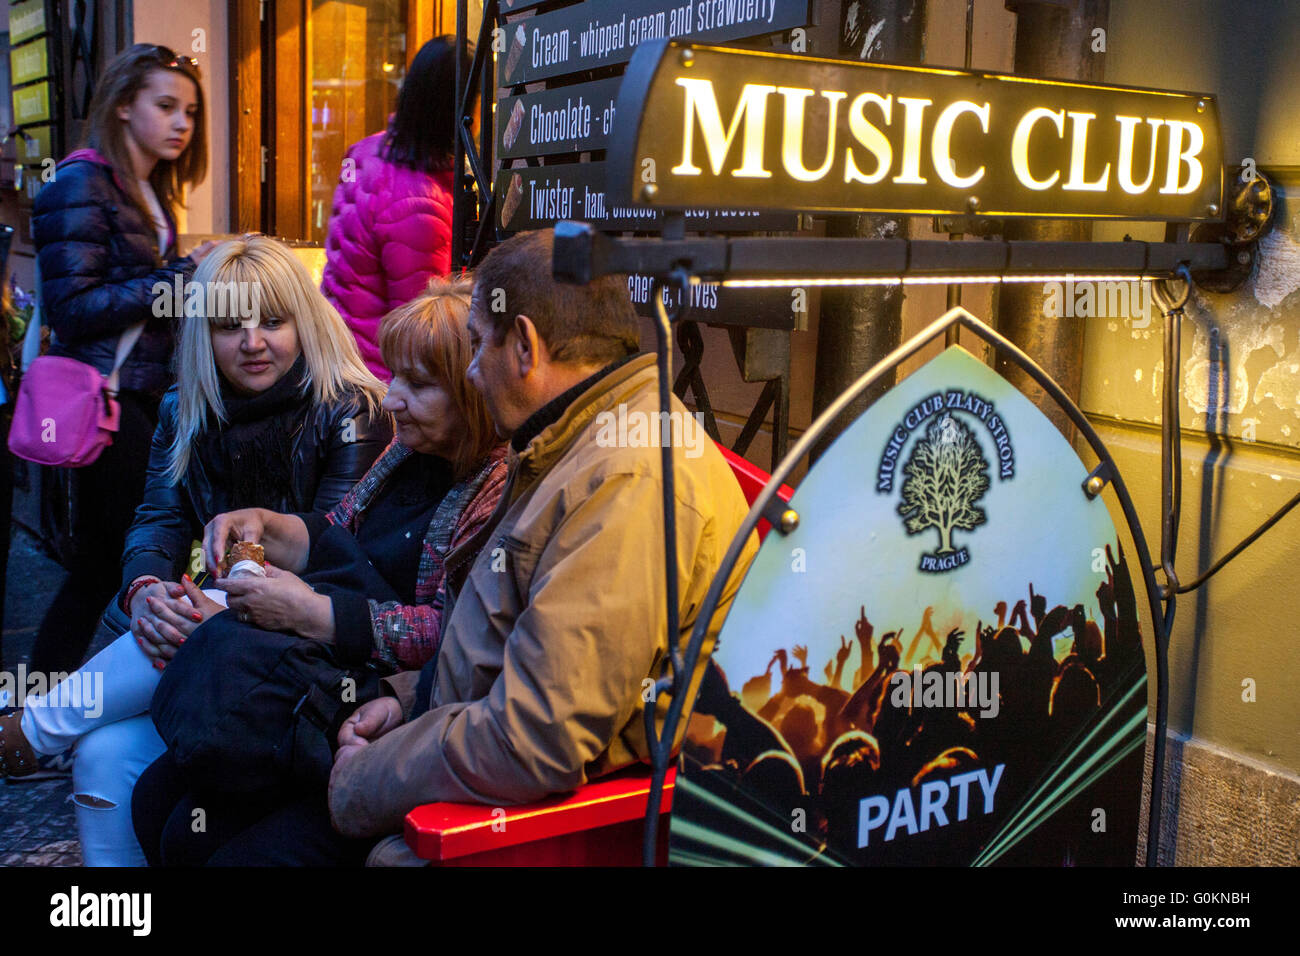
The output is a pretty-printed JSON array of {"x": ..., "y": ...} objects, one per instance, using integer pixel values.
[{"x": 601, "y": 824}]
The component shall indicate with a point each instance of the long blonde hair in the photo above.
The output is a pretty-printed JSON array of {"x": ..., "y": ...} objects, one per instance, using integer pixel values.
[{"x": 282, "y": 287}]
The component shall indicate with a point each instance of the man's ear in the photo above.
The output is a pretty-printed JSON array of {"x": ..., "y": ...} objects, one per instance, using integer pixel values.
[{"x": 527, "y": 349}]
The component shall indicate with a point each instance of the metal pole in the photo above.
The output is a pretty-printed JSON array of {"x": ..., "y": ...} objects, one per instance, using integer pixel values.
[
  {"x": 458, "y": 153},
  {"x": 1052, "y": 40},
  {"x": 861, "y": 325}
]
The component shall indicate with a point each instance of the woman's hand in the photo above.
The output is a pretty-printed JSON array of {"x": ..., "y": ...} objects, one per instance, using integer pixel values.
[
  {"x": 247, "y": 524},
  {"x": 171, "y": 619},
  {"x": 159, "y": 589},
  {"x": 281, "y": 601}
]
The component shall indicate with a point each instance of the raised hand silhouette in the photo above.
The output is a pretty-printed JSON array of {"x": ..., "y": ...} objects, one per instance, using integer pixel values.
[
  {"x": 781, "y": 659},
  {"x": 1018, "y": 613},
  {"x": 1037, "y": 605},
  {"x": 841, "y": 658},
  {"x": 951, "y": 659},
  {"x": 862, "y": 627},
  {"x": 842, "y": 655},
  {"x": 801, "y": 655},
  {"x": 864, "y": 631},
  {"x": 925, "y": 630}
]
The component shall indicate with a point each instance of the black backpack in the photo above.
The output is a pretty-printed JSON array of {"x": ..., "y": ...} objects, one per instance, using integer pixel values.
[{"x": 246, "y": 711}]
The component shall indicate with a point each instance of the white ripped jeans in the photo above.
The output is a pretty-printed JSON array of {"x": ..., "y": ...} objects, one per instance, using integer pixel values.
[{"x": 103, "y": 711}]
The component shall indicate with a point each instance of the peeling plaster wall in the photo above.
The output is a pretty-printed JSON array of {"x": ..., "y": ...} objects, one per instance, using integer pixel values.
[{"x": 1240, "y": 383}]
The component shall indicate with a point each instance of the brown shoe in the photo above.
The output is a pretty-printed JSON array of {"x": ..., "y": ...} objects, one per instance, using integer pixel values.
[{"x": 17, "y": 759}]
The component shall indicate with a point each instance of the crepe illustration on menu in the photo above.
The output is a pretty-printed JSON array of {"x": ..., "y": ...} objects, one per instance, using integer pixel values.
[
  {"x": 514, "y": 196},
  {"x": 516, "y": 50},
  {"x": 515, "y": 124}
]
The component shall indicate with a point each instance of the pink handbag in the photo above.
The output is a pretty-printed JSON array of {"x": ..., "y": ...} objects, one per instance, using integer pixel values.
[{"x": 66, "y": 412}]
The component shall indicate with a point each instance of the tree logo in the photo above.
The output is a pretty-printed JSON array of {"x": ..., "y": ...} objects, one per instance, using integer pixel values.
[{"x": 944, "y": 478}]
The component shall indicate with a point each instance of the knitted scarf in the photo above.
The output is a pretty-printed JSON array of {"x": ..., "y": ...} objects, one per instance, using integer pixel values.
[{"x": 250, "y": 457}]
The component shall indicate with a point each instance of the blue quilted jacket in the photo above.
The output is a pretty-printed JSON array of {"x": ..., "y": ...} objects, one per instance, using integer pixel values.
[{"x": 99, "y": 261}]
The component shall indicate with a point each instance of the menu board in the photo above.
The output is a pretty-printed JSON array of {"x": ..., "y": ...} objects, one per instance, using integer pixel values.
[
  {"x": 606, "y": 32},
  {"x": 537, "y": 197},
  {"x": 714, "y": 304},
  {"x": 579, "y": 118},
  {"x": 569, "y": 119}
]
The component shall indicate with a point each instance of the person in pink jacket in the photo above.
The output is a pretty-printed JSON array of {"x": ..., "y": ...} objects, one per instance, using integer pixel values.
[{"x": 390, "y": 228}]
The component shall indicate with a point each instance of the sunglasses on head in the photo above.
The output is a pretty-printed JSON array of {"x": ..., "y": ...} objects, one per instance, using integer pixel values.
[{"x": 174, "y": 61}]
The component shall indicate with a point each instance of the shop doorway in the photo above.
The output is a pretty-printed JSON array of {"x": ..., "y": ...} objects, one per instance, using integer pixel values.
[{"x": 308, "y": 79}]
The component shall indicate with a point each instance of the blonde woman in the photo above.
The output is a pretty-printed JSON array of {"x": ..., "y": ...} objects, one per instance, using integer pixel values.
[
  {"x": 274, "y": 409},
  {"x": 429, "y": 496}
]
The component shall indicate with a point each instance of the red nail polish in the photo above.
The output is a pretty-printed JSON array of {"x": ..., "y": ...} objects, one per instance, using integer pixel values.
[
  {"x": 196, "y": 616},
  {"x": 188, "y": 578},
  {"x": 158, "y": 665}
]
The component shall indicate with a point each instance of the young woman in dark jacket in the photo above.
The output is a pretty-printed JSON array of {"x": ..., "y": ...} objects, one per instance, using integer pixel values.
[
  {"x": 273, "y": 409},
  {"x": 105, "y": 234}
]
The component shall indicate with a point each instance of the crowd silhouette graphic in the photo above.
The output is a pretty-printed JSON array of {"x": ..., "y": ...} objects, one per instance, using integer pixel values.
[{"x": 859, "y": 769}]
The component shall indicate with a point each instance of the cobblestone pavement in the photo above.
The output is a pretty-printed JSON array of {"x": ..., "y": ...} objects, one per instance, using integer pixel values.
[{"x": 37, "y": 821}]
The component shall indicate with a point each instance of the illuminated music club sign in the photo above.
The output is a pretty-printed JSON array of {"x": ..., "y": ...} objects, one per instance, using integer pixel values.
[{"x": 700, "y": 125}]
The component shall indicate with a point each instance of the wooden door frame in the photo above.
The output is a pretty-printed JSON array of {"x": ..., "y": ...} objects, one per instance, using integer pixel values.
[
  {"x": 254, "y": 62},
  {"x": 246, "y": 189}
]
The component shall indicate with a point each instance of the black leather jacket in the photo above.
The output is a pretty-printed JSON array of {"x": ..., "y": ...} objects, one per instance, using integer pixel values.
[
  {"x": 328, "y": 457},
  {"x": 99, "y": 262}
]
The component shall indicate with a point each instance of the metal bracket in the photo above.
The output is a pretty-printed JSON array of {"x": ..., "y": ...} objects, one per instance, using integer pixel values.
[
  {"x": 1098, "y": 479},
  {"x": 1248, "y": 216}
]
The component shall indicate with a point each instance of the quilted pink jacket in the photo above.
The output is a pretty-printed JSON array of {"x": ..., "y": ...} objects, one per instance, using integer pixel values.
[{"x": 389, "y": 234}]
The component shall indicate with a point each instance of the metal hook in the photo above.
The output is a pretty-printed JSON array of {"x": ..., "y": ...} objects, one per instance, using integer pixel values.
[
  {"x": 680, "y": 277},
  {"x": 1165, "y": 299}
]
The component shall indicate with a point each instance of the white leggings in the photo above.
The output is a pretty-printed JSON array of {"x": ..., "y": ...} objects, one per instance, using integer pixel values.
[{"x": 103, "y": 711}]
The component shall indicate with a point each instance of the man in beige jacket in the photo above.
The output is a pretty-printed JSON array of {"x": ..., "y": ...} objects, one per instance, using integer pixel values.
[{"x": 558, "y": 626}]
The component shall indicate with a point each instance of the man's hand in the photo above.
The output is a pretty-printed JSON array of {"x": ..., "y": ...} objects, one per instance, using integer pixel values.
[
  {"x": 370, "y": 722},
  {"x": 281, "y": 601},
  {"x": 227, "y": 529},
  {"x": 801, "y": 655}
]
